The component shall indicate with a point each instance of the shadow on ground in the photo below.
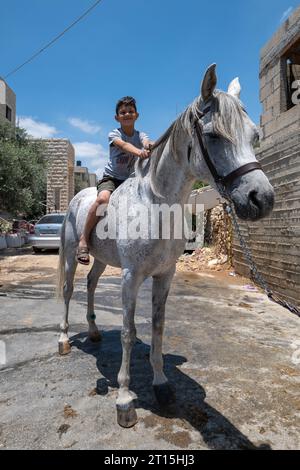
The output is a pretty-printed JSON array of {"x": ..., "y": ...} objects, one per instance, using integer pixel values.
[{"x": 190, "y": 410}]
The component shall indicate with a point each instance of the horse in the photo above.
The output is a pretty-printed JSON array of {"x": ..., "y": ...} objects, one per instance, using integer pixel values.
[{"x": 212, "y": 141}]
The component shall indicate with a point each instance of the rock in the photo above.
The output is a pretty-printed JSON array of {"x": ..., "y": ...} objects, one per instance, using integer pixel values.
[{"x": 213, "y": 262}]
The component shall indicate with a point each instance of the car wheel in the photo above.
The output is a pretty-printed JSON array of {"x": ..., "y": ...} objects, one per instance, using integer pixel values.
[{"x": 36, "y": 250}]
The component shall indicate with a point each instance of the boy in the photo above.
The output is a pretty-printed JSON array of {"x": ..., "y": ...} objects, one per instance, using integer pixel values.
[{"x": 125, "y": 144}]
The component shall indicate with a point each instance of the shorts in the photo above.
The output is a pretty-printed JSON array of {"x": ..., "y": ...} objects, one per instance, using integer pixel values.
[{"x": 108, "y": 183}]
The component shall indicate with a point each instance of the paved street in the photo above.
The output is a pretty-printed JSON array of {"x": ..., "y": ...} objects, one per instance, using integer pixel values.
[{"x": 228, "y": 352}]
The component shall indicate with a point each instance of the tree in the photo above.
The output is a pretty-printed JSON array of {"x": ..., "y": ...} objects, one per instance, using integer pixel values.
[
  {"x": 23, "y": 173},
  {"x": 199, "y": 184}
]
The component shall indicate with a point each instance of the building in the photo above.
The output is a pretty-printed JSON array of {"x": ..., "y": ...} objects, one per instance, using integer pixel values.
[
  {"x": 7, "y": 103},
  {"x": 59, "y": 154},
  {"x": 60, "y": 174},
  {"x": 275, "y": 241},
  {"x": 83, "y": 178},
  {"x": 92, "y": 179}
]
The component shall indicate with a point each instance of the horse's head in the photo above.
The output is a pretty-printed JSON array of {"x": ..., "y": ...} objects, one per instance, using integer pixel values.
[{"x": 223, "y": 149}]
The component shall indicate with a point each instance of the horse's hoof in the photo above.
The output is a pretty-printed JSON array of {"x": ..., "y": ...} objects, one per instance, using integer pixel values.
[
  {"x": 64, "y": 348},
  {"x": 126, "y": 415},
  {"x": 165, "y": 394},
  {"x": 95, "y": 337}
]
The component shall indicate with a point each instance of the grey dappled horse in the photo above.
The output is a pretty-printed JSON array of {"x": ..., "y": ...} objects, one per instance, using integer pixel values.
[{"x": 212, "y": 140}]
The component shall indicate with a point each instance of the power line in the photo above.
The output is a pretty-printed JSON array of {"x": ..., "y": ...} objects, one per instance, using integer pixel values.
[{"x": 55, "y": 39}]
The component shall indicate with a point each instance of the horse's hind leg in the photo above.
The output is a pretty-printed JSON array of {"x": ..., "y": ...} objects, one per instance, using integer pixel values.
[
  {"x": 92, "y": 280},
  {"x": 70, "y": 268},
  {"x": 160, "y": 289}
]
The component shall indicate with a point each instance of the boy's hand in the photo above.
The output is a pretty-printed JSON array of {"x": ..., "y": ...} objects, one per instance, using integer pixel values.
[
  {"x": 144, "y": 153},
  {"x": 148, "y": 145}
]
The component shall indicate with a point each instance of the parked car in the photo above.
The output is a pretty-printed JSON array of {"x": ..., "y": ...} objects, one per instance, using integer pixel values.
[{"x": 47, "y": 232}]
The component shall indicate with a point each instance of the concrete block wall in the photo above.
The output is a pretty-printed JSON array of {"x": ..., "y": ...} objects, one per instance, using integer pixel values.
[
  {"x": 7, "y": 97},
  {"x": 275, "y": 240},
  {"x": 276, "y": 121},
  {"x": 60, "y": 175}
]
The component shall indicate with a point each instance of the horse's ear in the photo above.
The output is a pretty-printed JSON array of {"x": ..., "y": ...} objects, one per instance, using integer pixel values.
[
  {"x": 234, "y": 88},
  {"x": 209, "y": 82}
]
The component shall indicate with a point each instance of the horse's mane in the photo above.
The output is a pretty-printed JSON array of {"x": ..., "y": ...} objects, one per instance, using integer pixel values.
[{"x": 227, "y": 122}]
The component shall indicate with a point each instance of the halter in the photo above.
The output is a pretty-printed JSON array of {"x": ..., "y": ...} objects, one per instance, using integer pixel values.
[{"x": 222, "y": 182}]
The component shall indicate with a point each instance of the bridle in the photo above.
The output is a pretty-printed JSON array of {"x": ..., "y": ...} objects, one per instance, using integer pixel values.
[{"x": 222, "y": 182}]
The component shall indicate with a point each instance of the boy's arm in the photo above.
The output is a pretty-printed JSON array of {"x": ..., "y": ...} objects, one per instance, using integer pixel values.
[{"x": 129, "y": 148}]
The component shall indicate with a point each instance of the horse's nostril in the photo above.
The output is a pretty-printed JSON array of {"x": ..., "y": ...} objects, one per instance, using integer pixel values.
[{"x": 254, "y": 199}]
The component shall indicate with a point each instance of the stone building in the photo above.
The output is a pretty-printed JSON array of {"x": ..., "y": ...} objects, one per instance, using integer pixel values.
[
  {"x": 275, "y": 241},
  {"x": 83, "y": 178},
  {"x": 60, "y": 175},
  {"x": 7, "y": 103}
]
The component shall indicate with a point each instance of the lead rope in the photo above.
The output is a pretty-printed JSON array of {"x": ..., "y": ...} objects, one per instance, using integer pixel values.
[{"x": 255, "y": 275}]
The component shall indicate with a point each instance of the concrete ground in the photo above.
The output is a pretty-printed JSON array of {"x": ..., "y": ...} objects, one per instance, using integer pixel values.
[{"x": 230, "y": 353}]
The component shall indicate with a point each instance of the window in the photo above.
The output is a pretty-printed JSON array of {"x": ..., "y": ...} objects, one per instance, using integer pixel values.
[
  {"x": 57, "y": 199},
  {"x": 8, "y": 113},
  {"x": 52, "y": 219},
  {"x": 291, "y": 76}
]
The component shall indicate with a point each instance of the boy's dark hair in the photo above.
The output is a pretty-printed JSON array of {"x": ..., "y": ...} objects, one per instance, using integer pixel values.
[{"x": 127, "y": 100}]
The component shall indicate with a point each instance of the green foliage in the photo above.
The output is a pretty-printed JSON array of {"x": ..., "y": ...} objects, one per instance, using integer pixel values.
[
  {"x": 22, "y": 173},
  {"x": 5, "y": 226},
  {"x": 199, "y": 185}
]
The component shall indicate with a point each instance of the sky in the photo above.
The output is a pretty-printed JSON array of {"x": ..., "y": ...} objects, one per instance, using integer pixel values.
[{"x": 154, "y": 50}]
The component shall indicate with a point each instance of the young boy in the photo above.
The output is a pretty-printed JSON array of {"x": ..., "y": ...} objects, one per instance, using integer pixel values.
[{"x": 125, "y": 144}]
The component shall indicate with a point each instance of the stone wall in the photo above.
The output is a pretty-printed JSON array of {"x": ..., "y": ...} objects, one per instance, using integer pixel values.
[
  {"x": 275, "y": 241},
  {"x": 275, "y": 120},
  {"x": 60, "y": 175},
  {"x": 218, "y": 231}
]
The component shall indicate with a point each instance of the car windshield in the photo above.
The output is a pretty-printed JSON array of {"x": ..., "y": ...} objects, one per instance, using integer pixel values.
[{"x": 52, "y": 219}]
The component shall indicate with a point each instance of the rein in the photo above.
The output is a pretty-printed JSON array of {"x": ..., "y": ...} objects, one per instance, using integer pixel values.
[{"x": 163, "y": 138}]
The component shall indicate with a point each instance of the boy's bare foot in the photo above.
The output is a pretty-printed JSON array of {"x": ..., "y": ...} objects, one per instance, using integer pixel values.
[{"x": 83, "y": 255}]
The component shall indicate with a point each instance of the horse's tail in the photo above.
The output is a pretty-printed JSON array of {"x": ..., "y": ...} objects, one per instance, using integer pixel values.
[{"x": 61, "y": 263}]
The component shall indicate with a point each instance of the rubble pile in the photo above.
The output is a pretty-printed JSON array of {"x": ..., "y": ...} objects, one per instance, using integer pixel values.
[
  {"x": 218, "y": 236},
  {"x": 203, "y": 259}
]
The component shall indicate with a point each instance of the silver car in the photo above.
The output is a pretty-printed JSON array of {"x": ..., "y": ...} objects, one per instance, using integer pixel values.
[{"x": 47, "y": 232}]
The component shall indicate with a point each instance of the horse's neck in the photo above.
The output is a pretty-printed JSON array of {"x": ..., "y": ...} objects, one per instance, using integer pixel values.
[{"x": 173, "y": 179}]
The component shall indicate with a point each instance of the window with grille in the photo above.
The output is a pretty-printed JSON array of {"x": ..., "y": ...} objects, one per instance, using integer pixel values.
[{"x": 291, "y": 77}]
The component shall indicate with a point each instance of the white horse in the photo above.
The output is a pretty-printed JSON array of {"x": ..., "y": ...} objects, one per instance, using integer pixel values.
[{"x": 212, "y": 141}]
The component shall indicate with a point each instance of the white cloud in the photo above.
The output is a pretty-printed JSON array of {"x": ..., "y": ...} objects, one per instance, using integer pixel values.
[
  {"x": 90, "y": 150},
  {"x": 286, "y": 14},
  {"x": 84, "y": 126},
  {"x": 36, "y": 128}
]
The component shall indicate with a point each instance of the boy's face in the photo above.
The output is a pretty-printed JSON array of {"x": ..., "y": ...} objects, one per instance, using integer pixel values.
[{"x": 127, "y": 115}]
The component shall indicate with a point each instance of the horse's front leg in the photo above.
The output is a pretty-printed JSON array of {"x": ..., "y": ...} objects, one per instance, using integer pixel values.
[
  {"x": 160, "y": 290},
  {"x": 126, "y": 413}
]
